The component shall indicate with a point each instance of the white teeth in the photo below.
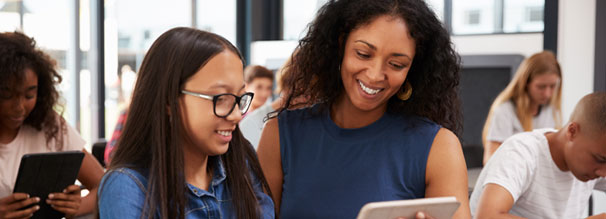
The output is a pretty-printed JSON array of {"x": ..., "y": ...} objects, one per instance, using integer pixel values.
[
  {"x": 224, "y": 133},
  {"x": 368, "y": 90}
]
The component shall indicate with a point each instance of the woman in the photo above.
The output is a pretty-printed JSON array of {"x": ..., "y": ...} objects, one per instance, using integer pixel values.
[
  {"x": 181, "y": 154},
  {"x": 30, "y": 124},
  {"x": 532, "y": 100},
  {"x": 381, "y": 78}
]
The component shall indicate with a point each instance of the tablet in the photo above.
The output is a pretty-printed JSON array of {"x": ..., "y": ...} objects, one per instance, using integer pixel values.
[
  {"x": 43, "y": 173},
  {"x": 442, "y": 207}
]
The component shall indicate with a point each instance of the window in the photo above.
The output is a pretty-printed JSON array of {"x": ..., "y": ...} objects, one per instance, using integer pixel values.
[
  {"x": 438, "y": 7},
  {"x": 130, "y": 29},
  {"x": 523, "y": 16},
  {"x": 472, "y": 17},
  {"x": 218, "y": 17},
  {"x": 297, "y": 15},
  {"x": 534, "y": 14},
  {"x": 497, "y": 16},
  {"x": 10, "y": 16}
]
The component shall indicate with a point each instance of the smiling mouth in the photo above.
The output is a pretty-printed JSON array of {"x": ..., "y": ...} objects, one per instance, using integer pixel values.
[
  {"x": 224, "y": 133},
  {"x": 18, "y": 119},
  {"x": 368, "y": 90}
]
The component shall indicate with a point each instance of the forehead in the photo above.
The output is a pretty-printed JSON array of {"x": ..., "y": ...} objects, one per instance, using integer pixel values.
[
  {"x": 546, "y": 78},
  {"x": 31, "y": 78},
  {"x": 225, "y": 69},
  {"x": 385, "y": 31},
  {"x": 18, "y": 82},
  {"x": 261, "y": 80}
]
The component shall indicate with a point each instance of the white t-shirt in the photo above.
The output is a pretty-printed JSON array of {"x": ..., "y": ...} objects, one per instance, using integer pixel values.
[
  {"x": 523, "y": 166},
  {"x": 30, "y": 140},
  {"x": 252, "y": 125},
  {"x": 505, "y": 122}
]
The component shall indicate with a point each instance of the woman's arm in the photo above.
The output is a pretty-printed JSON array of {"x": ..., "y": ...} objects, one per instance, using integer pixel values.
[
  {"x": 270, "y": 160},
  {"x": 446, "y": 172}
]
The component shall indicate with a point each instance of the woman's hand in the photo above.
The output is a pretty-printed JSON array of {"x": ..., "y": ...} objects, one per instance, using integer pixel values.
[
  {"x": 9, "y": 206},
  {"x": 419, "y": 215},
  {"x": 67, "y": 202}
]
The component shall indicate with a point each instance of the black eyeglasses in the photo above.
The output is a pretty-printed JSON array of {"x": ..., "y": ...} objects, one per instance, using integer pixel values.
[{"x": 224, "y": 104}]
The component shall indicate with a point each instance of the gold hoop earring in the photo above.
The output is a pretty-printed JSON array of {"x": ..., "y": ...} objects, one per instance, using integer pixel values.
[{"x": 406, "y": 93}]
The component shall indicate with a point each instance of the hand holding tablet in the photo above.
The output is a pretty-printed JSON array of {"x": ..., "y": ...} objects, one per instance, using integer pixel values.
[
  {"x": 442, "y": 207},
  {"x": 45, "y": 180}
]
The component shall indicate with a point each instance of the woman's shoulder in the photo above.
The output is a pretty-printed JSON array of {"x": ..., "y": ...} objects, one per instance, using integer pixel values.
[
  {"x": 305, "y": 112},
  {"x": 505, "y": 107},
  {"x": 414, "y": 121}
]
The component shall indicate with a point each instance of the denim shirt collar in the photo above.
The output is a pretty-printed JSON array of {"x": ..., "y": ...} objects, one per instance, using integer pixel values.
[{"x": 218, "y": 178}]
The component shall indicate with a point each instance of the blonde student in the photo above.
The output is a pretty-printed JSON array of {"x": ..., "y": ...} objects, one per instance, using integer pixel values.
[{"x": 531, "y": 100}]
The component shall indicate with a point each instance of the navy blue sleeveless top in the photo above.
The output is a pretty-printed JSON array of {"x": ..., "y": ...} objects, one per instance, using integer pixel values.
[{"x": 331, "y": 172}]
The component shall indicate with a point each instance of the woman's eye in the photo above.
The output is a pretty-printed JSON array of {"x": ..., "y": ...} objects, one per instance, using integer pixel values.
[
  {"x": 397, "y": 66},
  {"x": 362, "y": 55}
]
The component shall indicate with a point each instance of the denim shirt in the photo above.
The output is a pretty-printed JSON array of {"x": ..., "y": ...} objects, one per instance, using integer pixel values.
[{"x": 122, "y": 195}]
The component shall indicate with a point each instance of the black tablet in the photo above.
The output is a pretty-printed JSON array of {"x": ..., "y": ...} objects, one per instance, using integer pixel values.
[{"x": 43, "y": 173}]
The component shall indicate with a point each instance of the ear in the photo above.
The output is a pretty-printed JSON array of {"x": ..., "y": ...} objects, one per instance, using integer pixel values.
[{"x": 572, "y": 131}]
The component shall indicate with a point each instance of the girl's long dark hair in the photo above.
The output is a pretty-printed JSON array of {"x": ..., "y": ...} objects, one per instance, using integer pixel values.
[
  {"x": 151, "y": 138},
  {"x": 434, "y": 73}
]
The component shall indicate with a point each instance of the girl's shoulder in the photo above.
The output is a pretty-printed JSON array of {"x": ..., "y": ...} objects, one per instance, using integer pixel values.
[{"x": 124, "y": 177}]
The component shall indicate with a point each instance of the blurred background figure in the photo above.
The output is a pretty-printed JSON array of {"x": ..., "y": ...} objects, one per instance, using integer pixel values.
[
  {"x": 259, "y": 80},
  {"x": 531, "y": 100},
  {"x": 126, "y": 83}
]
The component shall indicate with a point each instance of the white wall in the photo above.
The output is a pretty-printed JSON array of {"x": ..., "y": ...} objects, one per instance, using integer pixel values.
[
  {"x": 263, "y": 51},
  {"x": 576, "y": 50},
  {"x": 576, "y": 54},
  {"x": 523, "y": 44}
]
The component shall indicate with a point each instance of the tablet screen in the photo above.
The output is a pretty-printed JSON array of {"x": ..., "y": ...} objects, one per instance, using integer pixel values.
[{"x": 43, "y": 173}]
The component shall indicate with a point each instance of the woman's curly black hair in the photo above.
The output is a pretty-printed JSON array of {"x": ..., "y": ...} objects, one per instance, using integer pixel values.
[
  {"x": 18, "y": 52},
  {"x": 434, "y": 73}
]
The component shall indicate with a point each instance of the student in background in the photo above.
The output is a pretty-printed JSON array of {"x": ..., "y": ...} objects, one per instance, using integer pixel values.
[
  {"x": 260, "y": 81},
  {"x": 252, "y": 124},
  {"x": 547, "y": 173},
  {"x": 532, "y": 100},
  {"x": 379, "y": 80},
  {"x": 181, "y": 154},
  {"x": 30, "y": 124},
  {"x": 126, "y": 84}
]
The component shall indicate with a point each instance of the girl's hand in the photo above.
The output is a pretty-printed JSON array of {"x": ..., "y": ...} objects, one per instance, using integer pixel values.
[
  {"x": 10, "y": 205},
  {"x": 67, "y": 202}
]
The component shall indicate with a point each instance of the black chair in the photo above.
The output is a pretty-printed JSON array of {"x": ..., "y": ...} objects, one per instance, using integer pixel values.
[{"x": 99, "y": 151}]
